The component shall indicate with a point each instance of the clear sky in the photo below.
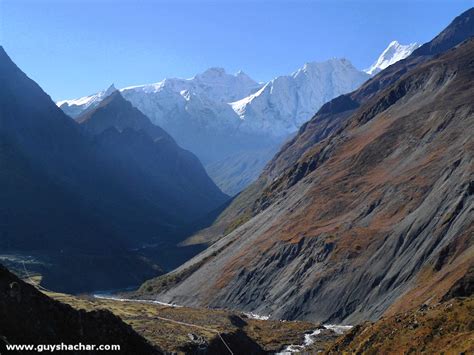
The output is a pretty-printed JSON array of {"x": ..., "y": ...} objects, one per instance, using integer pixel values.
[{"x": 74, "y": 48}]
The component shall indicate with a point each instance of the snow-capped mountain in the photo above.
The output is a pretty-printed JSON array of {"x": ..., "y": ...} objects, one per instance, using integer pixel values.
[
  {"x": 392, "y": 54},
  {"x": 236, "y": 103},
  {"x": 217, "y": 115},
  {"x": 286, "y": 102},
  {"x": 214, "y": 85}
]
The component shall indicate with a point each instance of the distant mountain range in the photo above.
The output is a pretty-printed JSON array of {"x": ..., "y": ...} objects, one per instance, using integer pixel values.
[
  {"x": 232, "y": 119},
  {"x": 230, "y": 104}
]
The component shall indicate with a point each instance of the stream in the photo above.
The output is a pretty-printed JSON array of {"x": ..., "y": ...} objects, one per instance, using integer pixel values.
[{"x": 310, "y": 338}]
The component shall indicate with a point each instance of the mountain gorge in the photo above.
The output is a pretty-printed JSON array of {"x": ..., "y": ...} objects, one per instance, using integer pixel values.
[
  {"x": 74, "y": 210},
  {"x": 330, "y": 210},
  {"x": 367, "y": 210}
]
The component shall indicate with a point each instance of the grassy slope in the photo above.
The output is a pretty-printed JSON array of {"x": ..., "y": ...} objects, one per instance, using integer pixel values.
[{"x": 447, "y": 327}]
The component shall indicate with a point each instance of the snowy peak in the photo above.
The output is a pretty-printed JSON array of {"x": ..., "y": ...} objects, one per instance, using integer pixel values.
[
  {"x": 218, "y": 85},
  {"x": 331, "y": 67},
  {"x": 392, "y": 54},
  {"x": 286, "y": 102}
]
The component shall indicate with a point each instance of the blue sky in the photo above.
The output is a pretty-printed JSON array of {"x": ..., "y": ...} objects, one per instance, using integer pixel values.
[{"x": 73, "y": 48}]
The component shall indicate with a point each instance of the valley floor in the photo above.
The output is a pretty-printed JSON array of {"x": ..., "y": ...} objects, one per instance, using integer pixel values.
[
  {"x": 447, "y": 326},
  {"x": 182, "y": 329}
]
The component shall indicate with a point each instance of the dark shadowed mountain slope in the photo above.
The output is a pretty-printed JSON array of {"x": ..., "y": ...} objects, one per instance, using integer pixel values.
[
  {"x": 68, "y": 202},
  {"x": 377, "y": 214},
  {"x": 151, "y": 158},
  {"x": 29, "y": 317},
  {"x": 115, "y": 111}
]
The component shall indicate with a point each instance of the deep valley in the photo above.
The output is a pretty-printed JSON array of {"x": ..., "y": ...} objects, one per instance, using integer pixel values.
[{"x": 330, "y": 210}]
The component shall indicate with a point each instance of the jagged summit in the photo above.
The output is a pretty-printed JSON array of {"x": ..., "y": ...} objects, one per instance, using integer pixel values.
[
  {"x": 74, "y": 108},
  {"x": 320, "y": 66},
  {"x": 392, "y": 54},
  {"x": 110, "y": 90}
]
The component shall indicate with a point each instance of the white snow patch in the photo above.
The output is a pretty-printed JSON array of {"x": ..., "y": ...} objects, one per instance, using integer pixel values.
[
  {"x": 338, "y": 329},
  {"x": 256, "y": 316}
]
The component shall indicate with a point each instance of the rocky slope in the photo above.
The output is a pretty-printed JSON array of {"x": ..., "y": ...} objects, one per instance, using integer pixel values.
[
  {"x": 29, "y": 317},
  {"x": 73, "y": 206},
  {"x": 369, "y": 204}
]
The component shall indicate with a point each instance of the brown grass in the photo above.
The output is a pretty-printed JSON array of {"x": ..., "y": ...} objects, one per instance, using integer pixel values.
[
  {"x": 445, "y": 328},
  {"x": 271, "y": 335}
]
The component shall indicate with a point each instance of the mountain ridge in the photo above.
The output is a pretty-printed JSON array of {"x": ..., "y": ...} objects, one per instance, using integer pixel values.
[{"x": 352, "y": 221}]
